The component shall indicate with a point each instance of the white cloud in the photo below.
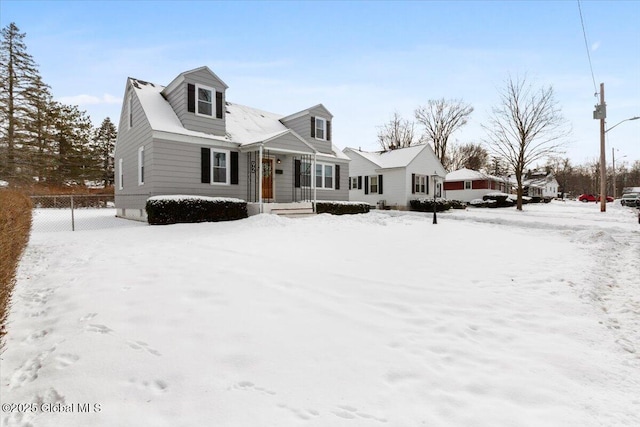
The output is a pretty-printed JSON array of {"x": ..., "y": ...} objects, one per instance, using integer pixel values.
[
  {"x": 85, "y": 99},
  {"x": 595, "y": 46}
]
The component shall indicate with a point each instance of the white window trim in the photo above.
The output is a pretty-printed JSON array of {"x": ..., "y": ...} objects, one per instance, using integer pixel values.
[
  {"x": 227, "y": 154},
  {"x": 324, "y": 131},
  {"x": 371, "y": 178},
  {"x": 470, "y": 185},
  {"x": 213, "y": 101},
  {"x": 141, "y": 165},
  {"x": 120, "y": 175},
  {"x": 333, "y": 176},
  {"x": 354, "y": 182},
  {"x": 418, "y": 181}
]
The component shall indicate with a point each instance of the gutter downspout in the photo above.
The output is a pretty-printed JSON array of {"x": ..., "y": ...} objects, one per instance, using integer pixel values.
[
  {"x": 260, "y": 179},
  {"x": 313, "y": 181}
]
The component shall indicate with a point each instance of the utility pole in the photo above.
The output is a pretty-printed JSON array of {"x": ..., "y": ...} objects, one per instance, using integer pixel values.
[
  {"x": 601, "y": 114},
  {"x": 613, "y": 160}
]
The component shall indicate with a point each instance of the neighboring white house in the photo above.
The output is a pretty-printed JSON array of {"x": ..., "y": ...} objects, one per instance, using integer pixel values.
[
  {"x": 393, "y": 178},
  {"x": 466, "y": 185},
  {"x": 542, "y": 185}
]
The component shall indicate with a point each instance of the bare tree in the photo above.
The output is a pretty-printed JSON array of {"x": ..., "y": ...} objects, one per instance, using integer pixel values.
[
  {"x": 525, "y": 127},
  {"x": 442, "y": 117},
  {"x": 471, "y": 156},
  {"x": 397, "y": 133}
]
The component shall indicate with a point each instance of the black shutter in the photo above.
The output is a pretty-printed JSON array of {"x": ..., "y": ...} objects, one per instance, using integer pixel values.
[
  {"x": 219, "y": 106},
  {"x": 191, "y": 98},
  {"x": 337, "y": 177},
  {"x": 379, "y": 184},
  {"x": 349, "y": 183},
  {"x": 413, "y": 183},
  {"x": 359, "y": 183},
  {"x": 296, "y": 173},
  {"x": 234, "y": 167},
  {"x": 313, "y": 127},
  {"x": 205, "y": 165},
  {"x": 426, "y": 183},
  {"x": 366, "y": 185},
  {"x": 328, "y": 130}
]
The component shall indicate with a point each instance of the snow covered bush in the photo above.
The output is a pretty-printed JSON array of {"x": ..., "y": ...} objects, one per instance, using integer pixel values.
[
  {"x": 179, "y": 209},
  {"x": 426, "y": 205},
  {"x": 342, "y": 208},
  {"x": 502, "y": 200},
  {"x": 15, "y": 225}
]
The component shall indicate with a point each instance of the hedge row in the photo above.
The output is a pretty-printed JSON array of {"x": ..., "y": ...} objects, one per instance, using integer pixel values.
[
  {"x": 162, "y": 210},
  {"x": 426, "y": 205},
  {"x": 342, "y": 208},
  {"x": 15, "y": 225}
]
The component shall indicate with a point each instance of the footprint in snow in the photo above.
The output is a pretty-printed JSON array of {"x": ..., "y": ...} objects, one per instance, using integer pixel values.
[
  {"x": 141, "y": 345},
  {"x": 88, "y": 316},
  {"x": 247, "y": 385},
  {"x": 349, "y": 412},
  {"x": 101, "y": 329},
  {"x": 303, "y": 414},
  {"x": 155, "y": 386},
  {"x": 66, "y": 360}
]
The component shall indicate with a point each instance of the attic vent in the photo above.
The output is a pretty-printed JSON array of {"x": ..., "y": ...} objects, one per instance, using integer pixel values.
[
  {"x": 228, "y": 112},
  {"x": 261, "y": 115}
]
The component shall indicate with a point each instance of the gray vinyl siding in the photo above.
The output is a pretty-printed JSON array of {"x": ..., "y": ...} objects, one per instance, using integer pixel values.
[
  {"x": 302, "y": 126},
  {"x": 177, "y": 171},
  {"x": 343, "y": 193},
  {"x": 129, "y": 140},
  {"x": 178, "y": 101},
  {"x": 288, "y": 142}
]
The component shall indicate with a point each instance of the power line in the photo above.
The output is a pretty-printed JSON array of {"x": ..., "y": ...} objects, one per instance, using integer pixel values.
[{"x": 586, "y": 44}]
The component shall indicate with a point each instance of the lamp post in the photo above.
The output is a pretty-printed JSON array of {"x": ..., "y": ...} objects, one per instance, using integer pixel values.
[
  {"x": 613, "y": 155},
  {"x": 435, "y": 219}
]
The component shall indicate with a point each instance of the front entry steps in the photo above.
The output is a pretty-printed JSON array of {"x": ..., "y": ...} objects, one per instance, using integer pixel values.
[{"x": 290, "y": 210}]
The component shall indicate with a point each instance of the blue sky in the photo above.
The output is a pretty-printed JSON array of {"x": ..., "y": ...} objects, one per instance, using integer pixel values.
[{"x": 362, "y": 60}]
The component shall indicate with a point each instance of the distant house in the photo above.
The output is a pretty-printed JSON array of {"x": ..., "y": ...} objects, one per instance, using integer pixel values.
[
  {"x": 186, "y": 138},
  {"x": 393, "y": 178},
  {"x": 466, "y": 185},
  {"x": 541, "y": 185}
]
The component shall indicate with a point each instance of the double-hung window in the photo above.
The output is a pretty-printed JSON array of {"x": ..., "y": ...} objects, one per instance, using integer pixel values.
[
  {"x": 373, "y": 184},
  {"x": 467, "y": 185},
  {"x": 324, "y": 176},
  {"x": 204, "y": 101},
  {"x": 321, "y": 128},
  {"x": 120, "y": 175},
  {"x": 354, "y": 182},
  {"x": 420, "y": 184},
  {"x": 141, "y": 166},
  {"x": 220, "y": 167},
  {"x": 305, "y": 174}
]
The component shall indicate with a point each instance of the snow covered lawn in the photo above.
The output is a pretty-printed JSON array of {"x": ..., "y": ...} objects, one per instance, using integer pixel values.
[{"x": 491, "y": 318}]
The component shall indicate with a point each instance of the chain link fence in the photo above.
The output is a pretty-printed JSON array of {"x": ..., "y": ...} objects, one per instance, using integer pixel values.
[{"x": 73, "y": 212}]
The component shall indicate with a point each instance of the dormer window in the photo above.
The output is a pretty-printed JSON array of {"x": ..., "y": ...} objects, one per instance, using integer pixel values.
[
  {"x": 205, "y": 101},
  {"x": 320, "y": 128}
]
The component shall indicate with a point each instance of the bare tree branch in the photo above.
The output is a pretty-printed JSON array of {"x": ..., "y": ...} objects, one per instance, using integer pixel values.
[
  {"x": 525, "y": 127},
  {"x": 397, "y": 133},
  {"x": 440, "y": 119}
]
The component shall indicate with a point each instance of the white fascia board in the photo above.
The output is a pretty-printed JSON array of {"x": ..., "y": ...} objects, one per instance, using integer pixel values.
[
  {"x": 191, "y": 139},
  {"x": 295, "y": 115}
]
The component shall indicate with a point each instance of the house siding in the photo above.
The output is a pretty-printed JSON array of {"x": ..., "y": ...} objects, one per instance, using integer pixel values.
[
  {"x": 288, "y": 142},
  {"x": 302, "y": 126},
  {"x": 128, "y": 141},
  {"x": 178, "y": 101}
]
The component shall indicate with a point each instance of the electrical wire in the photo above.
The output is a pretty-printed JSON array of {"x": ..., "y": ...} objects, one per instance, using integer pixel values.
[{"x": 586, "y": 44}]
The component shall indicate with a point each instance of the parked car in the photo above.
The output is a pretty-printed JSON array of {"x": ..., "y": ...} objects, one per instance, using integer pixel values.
[
  {"x": 609, "y": 199},
  {"x": 587, "y": 198},
  {"x": 630, "y": 199}
]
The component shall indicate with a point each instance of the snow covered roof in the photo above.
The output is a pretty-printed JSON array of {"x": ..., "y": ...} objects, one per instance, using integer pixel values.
[
  {"x": 244, "y": 125},
  {"x": 397, "y": 158},
  {"x": 465, "y": 174}
]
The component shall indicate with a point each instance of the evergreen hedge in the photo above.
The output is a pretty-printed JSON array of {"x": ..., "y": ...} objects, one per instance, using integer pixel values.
[
  {"x": 342, "y": 208},
  {"x": 426, "y": 205},
  {"x": 162, "y": 210}
]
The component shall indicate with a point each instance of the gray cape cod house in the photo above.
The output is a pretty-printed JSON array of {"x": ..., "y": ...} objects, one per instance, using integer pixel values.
[{"x": 187, "y": 139}]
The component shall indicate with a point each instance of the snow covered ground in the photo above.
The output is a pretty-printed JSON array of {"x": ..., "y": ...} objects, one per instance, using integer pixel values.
[{"x": 493, "y": 317}]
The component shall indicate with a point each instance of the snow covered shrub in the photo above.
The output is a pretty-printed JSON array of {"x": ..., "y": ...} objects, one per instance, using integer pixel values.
[
  {"x": 342, "y": 208},
  {"x": 426, "y": 205},
  {"x": 457, "y": 204},
  {"x": 15, "y": 225},
  {"x": 179, "y": 209},
  {"x": 502, "y": 200}
]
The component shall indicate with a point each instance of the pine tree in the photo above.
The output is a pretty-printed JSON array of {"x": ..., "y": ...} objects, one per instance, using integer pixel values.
[
  {"x": 18, "y": 71},
  {"x": 39, "y": 126},
  {"x": 74, "y": 160},
  {"x": 104, "y": 144}
]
